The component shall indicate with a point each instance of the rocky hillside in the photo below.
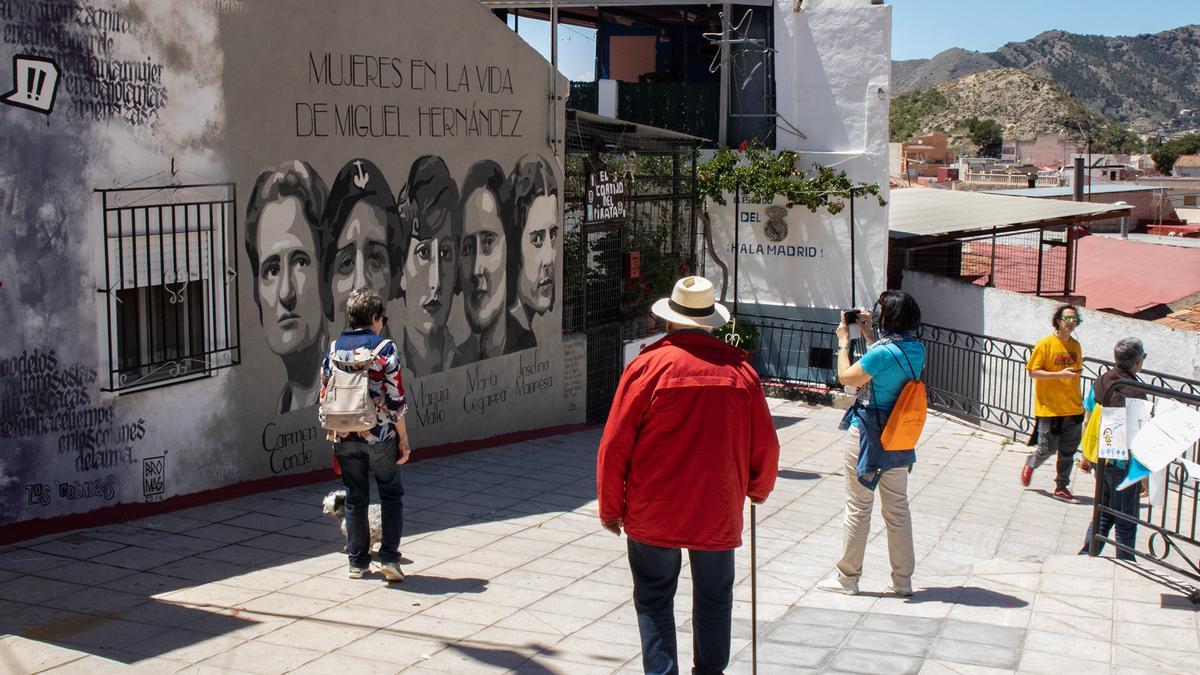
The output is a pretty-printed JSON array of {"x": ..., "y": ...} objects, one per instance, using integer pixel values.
[
  {"x": 1024, "y": 105},
  {"x": 1143, "y": 80}
]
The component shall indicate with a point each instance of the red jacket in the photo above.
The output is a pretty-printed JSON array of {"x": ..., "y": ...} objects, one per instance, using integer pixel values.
[{"x": 689, "y": 437}]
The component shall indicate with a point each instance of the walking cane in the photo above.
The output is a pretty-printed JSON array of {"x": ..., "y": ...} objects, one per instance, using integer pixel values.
[{"x": 753, "y": 593}]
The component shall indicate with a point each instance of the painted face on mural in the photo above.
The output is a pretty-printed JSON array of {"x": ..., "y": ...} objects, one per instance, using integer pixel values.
[
  {"x": 287, "y": 277},
  {"x": 361, "y": 258},
  {"x": 539, "y": 241},
  {"x": 482, "y": 260},
  {"x": 429, "y": 275}
]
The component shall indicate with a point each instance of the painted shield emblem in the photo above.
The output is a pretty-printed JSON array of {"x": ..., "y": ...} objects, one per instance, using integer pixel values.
[{"x": 776, "y": 228}]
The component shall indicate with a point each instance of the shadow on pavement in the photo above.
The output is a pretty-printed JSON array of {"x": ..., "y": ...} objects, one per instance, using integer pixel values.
[
  {"x": 430, "y": 585},
  {"x": 794, "y": 474},
  {"x": 1079, "y": 499},
  {"x": 140, "y": 589},
  {"x": 967, "y": 596},
  {"x": 782, "y": 422}
]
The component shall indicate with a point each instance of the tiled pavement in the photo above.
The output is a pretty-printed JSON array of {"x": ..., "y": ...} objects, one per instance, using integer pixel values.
[{"x": 508, "y": 570}]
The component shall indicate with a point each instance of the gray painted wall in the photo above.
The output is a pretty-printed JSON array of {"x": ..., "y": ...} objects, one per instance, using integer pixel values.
[{"x": 219, "y": 91}]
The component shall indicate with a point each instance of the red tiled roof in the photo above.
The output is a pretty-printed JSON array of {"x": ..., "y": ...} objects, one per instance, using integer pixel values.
[
  {"x": 1129, "y": 276},
  {"x": 1187, "y": 318},
  {"x": 1188, "y": 160}
]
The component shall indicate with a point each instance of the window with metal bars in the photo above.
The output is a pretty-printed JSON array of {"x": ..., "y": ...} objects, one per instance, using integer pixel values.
[{"x": 171, "y": 283}]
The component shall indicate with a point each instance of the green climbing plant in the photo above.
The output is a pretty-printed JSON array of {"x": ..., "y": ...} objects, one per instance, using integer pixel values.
[{"x": 765, "y": 174}]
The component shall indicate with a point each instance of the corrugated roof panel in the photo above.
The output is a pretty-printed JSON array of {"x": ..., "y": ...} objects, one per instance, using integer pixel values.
[{"x": 916, "y": 212}]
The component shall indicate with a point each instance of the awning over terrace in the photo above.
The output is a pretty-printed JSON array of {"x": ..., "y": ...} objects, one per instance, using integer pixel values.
[{"x": 951, "y": 214}]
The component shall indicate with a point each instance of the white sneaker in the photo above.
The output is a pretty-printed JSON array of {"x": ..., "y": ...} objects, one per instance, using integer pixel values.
[
  {"x": 392, "y": 572},
  {"x": 356, "y": 572},
  {"x": 834, "y": 584},
  {"x": 902, "y": 592}
]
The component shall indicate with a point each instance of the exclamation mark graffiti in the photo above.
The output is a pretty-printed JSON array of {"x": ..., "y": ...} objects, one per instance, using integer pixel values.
[
  {"x": 37, "y": 96},
  {"x": 29, "y": 83}
]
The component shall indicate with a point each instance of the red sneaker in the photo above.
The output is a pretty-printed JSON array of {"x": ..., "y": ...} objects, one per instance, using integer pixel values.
[
  {"x": 1063, "y": 494},
  {"x": 1026, "y": 474}
]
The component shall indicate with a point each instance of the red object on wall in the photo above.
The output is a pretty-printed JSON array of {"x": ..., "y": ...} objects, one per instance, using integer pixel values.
[{"x": 633, "y": 265}]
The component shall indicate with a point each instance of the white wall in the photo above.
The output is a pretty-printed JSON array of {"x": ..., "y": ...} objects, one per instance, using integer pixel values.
[
  {"x": 1025, "y": 318},
  {"x": 833, "y": 81}
]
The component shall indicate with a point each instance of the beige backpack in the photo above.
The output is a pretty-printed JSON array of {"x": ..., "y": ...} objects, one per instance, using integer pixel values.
[{"x": 347, "y": 406}]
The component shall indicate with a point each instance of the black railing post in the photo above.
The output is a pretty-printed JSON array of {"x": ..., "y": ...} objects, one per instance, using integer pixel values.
[{"x": 737, "y": 242}]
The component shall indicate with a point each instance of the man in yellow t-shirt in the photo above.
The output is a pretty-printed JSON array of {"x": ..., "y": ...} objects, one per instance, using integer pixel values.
[{"x": 1055, "y": 365}]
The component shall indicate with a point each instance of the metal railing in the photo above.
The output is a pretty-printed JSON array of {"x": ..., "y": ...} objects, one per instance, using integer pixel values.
[
  {"x": 982, "y": 379},
  {"x": 1173, "y": 525},
  {"x": 171, "y": 281},
  {"x": 978, "y": 378},
  {"x": 792, "y": 351}
]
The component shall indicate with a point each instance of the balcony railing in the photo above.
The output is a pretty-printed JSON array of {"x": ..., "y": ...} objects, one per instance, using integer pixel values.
[{"x": 978, "y": 378}]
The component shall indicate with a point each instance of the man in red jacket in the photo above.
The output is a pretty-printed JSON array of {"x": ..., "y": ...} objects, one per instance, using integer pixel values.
[{"x": 688, "y": 439}]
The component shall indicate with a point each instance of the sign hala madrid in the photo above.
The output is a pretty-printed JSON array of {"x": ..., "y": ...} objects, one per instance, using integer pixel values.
[{"x": 784, "y": 256}]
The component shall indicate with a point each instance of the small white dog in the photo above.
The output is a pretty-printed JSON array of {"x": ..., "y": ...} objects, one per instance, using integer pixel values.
[{"x": 334, "y": 505}]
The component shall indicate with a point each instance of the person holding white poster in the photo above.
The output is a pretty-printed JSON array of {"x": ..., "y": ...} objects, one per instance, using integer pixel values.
[{"x": 1129, "y": 355}]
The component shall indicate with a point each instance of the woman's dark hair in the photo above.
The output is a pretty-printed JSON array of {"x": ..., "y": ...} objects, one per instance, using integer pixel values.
[
  {"x": 430, "y": 190},
  {"x": 363, "y": 305},
  {"x": 291, "y": 179},
  {"x": 1058, "y": 314},
  {"x": 358, "y": 181},
  {"x": 532, "y": 177},
  {"x": 898, "y": 312}
]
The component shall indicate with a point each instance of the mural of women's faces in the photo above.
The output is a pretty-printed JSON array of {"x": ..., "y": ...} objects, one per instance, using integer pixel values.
[
  {"x": 361, "y": 237},
  {"x": 539, "y": 255},
  {"x": 432, "y": 227},
  {"x": 533, "y": 231},
  {"x": 482, "y": 261},
  {"x": 282, "y": 244}
]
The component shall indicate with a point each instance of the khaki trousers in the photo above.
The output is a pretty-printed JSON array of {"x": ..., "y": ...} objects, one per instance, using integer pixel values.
[{"x": 893, "y": 495}]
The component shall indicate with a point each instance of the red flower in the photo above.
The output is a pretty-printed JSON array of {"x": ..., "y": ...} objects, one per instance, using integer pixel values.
[
  {"x": 629, "y": 284},
  {"x": 742, "y": 146}
]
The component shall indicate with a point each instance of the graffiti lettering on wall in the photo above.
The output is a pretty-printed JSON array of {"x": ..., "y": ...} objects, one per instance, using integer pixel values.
[
  {"x": 79, "y": 37},
  {"x": 322, "y": 118},
  {"x": 154, "y": 477},
  {"x": 491, "y": 239},
  {"x": 40, "y": 396},
  {"x": 290, "y": 447}
]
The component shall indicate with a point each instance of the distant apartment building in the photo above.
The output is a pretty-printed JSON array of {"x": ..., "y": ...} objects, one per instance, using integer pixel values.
[
  {"x": 1187, "y": 166},
  {"x": 1048, "y": 149},
  {"x": 925, "y": 156}
]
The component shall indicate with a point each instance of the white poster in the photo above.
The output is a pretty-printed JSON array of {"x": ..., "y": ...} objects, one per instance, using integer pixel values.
[
  {"x": 1172, "y": 430},
  {"x": 1112, "y": 434},
  {"x": 783, "y": 256},
  {"x": 1137, "y": 414}
]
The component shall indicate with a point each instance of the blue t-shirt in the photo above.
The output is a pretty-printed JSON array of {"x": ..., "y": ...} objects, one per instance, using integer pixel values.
[{"x": 885, "y": 362}]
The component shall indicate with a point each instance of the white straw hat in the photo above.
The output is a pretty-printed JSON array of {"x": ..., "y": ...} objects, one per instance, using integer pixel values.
[{"x": 692, "y": 303}]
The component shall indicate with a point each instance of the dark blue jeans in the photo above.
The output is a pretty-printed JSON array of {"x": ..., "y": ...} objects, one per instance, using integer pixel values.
[
  {"x": 359, "y": 459},
  {"x": 655, "y": 578},
  {"x": 1123, "y": 501}
]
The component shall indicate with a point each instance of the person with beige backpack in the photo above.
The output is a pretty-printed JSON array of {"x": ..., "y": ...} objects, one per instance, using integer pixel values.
[{"x": 362, "y": 408}]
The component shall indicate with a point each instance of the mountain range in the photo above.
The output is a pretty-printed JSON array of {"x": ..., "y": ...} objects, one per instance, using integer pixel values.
[{"x": 1141, "y": 81}]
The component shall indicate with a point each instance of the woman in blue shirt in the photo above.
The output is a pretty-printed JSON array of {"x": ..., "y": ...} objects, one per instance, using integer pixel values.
[{"x": 890, "y": 362}]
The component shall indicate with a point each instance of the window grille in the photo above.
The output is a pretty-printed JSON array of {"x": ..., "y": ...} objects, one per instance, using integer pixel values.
[{"x": 171, "y": 283}]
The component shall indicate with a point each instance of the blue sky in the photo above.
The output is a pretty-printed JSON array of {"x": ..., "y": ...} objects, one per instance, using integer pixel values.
[{"x": 922, "y": 28}]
